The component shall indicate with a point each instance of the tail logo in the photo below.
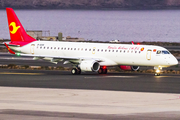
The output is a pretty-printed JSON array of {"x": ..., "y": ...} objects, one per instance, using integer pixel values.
[{"x": 15, "y": 28}]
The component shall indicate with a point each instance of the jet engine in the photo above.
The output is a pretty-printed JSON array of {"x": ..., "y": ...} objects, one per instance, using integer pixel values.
[
  {"x": 129, "y": 68},
  {"x": 89, "y": 66}
]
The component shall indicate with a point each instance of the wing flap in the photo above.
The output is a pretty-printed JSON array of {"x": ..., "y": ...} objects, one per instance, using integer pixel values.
[{"x": 48, "y": 56}]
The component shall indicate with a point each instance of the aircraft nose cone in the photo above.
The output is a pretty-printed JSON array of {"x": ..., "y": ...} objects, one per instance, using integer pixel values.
[{"x": 174, "y": 61}]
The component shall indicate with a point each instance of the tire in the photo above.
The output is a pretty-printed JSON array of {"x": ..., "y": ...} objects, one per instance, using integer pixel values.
[
  {"x": 74, "y": 71},
  {"x": 78, "y": 71},
  {"x": 105, "y": 71},
  {"x": 157, "y": 74},
  {"x": 100, "y": 71}
]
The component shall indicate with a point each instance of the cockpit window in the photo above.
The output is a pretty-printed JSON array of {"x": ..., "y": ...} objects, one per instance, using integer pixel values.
[
  {"x": 162, "y": 52},
  {"x": 158, "y": 52},
  {"x": 165, "y": 52}
]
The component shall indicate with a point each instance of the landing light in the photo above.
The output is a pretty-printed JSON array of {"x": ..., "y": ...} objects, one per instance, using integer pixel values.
[
  {"x": 138, "y": 43},
  {"x": 158, "y": 71}
]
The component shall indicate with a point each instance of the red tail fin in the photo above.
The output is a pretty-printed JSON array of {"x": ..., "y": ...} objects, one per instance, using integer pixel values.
[{"x": 17, "y": 33}]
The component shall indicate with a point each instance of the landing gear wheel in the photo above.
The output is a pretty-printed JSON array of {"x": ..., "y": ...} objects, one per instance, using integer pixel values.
[
  {"x": 74, "y": 71},
  {"x": 78, "y": 71},
  {"x": 100, "y": 71},
  {"x": 157, "y": 74},
  {"x": 104, "y": 71}
]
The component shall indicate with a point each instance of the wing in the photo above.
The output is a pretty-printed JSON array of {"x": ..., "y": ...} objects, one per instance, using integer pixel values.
[{"x": 67, "y": 59}]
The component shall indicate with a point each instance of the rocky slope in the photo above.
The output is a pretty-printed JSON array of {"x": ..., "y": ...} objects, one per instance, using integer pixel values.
[{"x": 90, "y": 4}]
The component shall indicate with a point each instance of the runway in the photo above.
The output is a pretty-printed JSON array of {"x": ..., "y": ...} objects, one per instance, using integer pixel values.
[
  {"x": 52, "y": 95},
  {"x": 135, "y": 82}
]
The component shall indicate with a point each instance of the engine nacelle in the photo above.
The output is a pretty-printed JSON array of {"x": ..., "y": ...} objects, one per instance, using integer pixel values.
[
  {"x": 89, "y": 66},
  {"x": 129, "y": 68}
]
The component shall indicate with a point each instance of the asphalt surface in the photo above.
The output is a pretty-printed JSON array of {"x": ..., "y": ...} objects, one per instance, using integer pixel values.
[
  {"x": 39, "y": 115},
  {"x": 166, "y": 83},
  {"x": 132, "y": 82}
]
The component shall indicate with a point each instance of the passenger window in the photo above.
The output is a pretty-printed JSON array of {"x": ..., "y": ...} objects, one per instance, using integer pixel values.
[
  {"x": 102, "y": 50},
  {"x": 62, "y": 48},
  {"x": 112, "y": 50},
  {"x": 74, "y": 48},
  {"x": 54, "y": 47},
  {"x": 89, "y": 49},
  {"x": 47, "y": 47},
  {"x": 105, "y": 50},
  {"x": 158, "y": 52},
  {"x": 109, "y": 50},
  {"x": 81, "y": 49},
  {"x": 116, "y": 50}
]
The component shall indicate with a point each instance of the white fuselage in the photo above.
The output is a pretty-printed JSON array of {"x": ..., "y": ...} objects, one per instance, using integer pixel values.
[{"x": 108, "y": 54}]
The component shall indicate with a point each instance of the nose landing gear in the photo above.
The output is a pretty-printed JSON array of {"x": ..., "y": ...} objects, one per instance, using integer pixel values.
[{"x": 158, "y": 71}]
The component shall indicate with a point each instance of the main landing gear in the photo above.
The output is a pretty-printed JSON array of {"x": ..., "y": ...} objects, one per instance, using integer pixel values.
[
  {"x": 76, "y": 71},
  {"x": 102, "y": 70}
]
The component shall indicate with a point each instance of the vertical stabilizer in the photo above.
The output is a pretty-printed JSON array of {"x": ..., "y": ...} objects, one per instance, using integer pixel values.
[{"x": 17, "y": 33}]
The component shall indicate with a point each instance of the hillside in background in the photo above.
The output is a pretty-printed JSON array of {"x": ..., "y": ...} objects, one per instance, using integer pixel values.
[{"x": 90, "y": 4}]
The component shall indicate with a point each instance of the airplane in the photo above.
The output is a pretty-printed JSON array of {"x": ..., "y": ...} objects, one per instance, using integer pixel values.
[{"x": 84, "y": 56}]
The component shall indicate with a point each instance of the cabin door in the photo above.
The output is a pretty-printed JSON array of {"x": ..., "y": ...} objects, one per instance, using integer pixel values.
[
  {"x": 32, "y": 48},
  {"x": 148, "y": 55}
]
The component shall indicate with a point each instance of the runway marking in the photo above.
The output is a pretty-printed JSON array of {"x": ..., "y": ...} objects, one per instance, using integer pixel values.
[
  {"x": 167, "y": 76},
  {"x": 123, "y": 76},
  {"x": 113, "y": 77},
  {"x": 9, "y": 73}
]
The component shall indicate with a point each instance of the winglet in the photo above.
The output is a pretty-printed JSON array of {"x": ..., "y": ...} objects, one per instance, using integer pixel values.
[
  {"x": 132, "y": 42},
  {"x": 9, "y": 49}
]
